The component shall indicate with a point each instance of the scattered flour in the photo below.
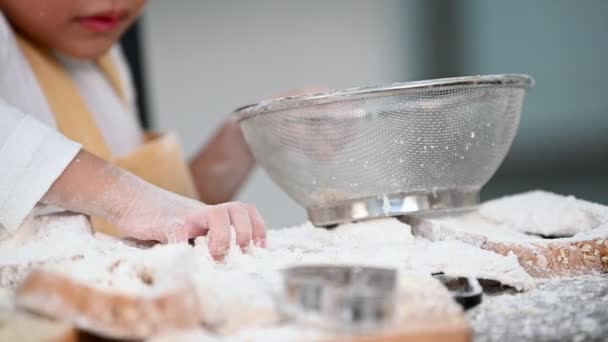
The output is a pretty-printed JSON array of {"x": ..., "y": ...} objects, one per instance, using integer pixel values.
[
  {"x": 471, "y": 228},
  {"x": 384, "y": 243},
  {"x": 545, "y": 213},
  {"x": 572, "y": 309},
  {"x": 65, "y": 243},
  {"x": 520, "y": 218},
  {"x": 421, "y": 299},
  {"x": 243, "y": 291},
  {"x": 144, "y": 273},
  {"x": 31, "y": 243}
]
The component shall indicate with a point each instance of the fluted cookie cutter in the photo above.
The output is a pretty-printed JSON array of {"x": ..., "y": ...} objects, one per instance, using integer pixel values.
[{"x": 349, "y": 299}]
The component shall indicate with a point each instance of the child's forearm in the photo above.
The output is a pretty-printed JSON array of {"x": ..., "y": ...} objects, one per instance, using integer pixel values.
[
  {"x": 92, "y": 186},
  {"x": 221, "y": 168}
]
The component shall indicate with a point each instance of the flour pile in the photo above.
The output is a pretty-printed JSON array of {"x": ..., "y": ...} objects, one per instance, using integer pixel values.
[
  {"x": 384, "y": 243},
  {"x": 545, "y": 213},
  {"x": 242, "y": 291}
]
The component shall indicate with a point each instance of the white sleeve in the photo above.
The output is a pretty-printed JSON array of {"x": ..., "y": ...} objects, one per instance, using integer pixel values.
[{"x": 32, "y": 157}]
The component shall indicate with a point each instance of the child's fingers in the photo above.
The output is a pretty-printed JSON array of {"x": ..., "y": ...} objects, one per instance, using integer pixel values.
[
  {"x": 239, "y": 217},
  {"x": 258, "y": 227},
  {"x": 219, "y": 231}
]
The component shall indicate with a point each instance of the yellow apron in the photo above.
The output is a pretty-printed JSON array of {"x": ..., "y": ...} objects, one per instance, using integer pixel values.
[{"x": 159, "y": 160}]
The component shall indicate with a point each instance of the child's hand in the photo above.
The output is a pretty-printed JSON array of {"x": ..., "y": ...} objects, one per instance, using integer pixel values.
[
  {"x": 177, "y": 219},
  {"x": 91, "y": 186}
]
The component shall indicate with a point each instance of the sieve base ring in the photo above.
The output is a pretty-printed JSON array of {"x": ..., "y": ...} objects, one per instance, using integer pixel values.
[{"x": 391, "y": 205}]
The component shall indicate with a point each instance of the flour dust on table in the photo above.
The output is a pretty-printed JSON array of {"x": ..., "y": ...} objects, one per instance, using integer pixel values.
[{"x": 241, "y": 294}]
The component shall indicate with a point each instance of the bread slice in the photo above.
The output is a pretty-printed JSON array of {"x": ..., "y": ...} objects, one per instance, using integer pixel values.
[
  {"x": 58, "y": 268},
  {"x": 44, "y": 241},
  {"x": 551, "y": 235},
  {"x": 115, "y": 315},
  {"x": 123, "y": 293}
]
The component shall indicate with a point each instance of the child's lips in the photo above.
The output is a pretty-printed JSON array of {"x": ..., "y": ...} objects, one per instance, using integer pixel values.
[{"x": 102, "y": 22}]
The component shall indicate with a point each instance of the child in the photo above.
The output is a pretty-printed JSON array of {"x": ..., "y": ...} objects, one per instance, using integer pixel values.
[{"x": 69, "y": 135}]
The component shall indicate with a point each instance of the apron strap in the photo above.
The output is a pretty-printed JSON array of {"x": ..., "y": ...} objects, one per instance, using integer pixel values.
[
  {"x": 109, "y": 69},
  {"x": 72, "y": 115}
]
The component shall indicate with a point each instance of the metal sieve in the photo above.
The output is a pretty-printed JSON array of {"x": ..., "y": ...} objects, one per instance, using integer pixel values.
[{"x": 372, "y": 152}]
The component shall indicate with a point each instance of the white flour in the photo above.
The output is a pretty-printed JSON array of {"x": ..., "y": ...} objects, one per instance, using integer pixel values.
[
  {"x": 471, "y": 228},
  {"x": 519, "y": 218},
  {"x": 385, "y": 243},
  {"x": 242, "y": 290},
  {"x": 66, "y": 244},
  {"x": 571, "y": 309},
  {"x": 421, "y": 299},
  {"x": 545, "y": 213}
]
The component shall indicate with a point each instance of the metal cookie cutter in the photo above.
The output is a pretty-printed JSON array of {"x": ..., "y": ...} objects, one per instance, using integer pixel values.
[
  {"x": 465, "y": 290},
  {"x": 341, "y": 298}
]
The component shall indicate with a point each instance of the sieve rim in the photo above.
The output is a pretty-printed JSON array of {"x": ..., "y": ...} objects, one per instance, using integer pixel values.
[
  {"x": 393, "y": 205},
  {"x": 464, "y": 82}
]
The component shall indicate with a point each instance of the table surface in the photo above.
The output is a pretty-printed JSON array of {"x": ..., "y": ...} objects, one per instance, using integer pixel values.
[{"x": 574, "y": 309}]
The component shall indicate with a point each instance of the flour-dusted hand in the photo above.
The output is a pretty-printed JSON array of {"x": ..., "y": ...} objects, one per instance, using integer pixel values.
[
  {"x": 144, "y": 211},
  {"x": 170, "y": 218}
]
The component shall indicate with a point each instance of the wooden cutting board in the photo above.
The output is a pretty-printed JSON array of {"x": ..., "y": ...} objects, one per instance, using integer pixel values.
[
  {"x": 23, "y": 327},
  {"x": 454, "y": 330}
]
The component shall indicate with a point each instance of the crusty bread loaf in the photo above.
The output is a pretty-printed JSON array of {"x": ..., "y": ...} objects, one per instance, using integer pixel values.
[
  {"x": 557, "y": 258},
  {"x": 520, "y": 225},
  {"x": 108, "y": 314},
  {"x": 101, "y": 285}
]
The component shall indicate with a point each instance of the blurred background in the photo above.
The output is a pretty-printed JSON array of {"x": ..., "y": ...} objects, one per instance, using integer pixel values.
[{"x": 197, "y": 61}]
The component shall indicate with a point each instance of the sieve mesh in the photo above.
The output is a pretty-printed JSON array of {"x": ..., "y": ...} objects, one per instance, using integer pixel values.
[{"x": 423, "y": 140}]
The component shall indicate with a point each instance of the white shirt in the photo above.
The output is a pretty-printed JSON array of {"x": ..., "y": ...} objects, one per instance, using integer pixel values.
[{"x": 32, "y": 153}]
